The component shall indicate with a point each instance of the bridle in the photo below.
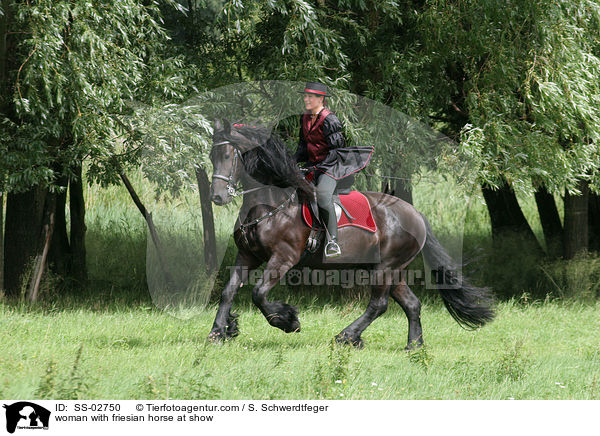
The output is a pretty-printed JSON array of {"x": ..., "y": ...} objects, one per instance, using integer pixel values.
[{"x": 232, "y": 188}]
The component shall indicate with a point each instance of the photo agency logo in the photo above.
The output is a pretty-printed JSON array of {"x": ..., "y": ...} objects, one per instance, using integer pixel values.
[
  {"x": 26, "y": 416},
  {"x": 439, "y": 278}
]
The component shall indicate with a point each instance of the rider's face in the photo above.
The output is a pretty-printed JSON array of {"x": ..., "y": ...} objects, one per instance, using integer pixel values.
[{"x": 312, "y": 101}]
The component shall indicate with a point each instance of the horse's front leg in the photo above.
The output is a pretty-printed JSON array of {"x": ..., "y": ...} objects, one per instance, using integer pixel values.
[
  {"x": 225, "y": 325},
  {"x": 277, "y": 313}
]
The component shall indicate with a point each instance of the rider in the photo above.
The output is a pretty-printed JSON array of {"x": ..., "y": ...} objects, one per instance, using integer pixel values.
[{"x": 321, "y": 141}]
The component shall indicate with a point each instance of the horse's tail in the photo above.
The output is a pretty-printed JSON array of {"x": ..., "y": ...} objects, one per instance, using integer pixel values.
[{"x": 469, "y": 305}]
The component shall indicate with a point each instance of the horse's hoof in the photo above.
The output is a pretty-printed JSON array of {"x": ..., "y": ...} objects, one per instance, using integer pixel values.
[
  {"x": 293, "y": 330},
  {"x": 344, "y": 339},
  {"x": 293, "y": 327},
  {"x": 414, "y": 345},
  {"x": 232, "y": 329},
  {"x": 285, "y": 319}
]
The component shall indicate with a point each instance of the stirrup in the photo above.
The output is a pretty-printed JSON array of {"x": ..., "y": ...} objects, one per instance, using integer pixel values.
[{"x": 332, "y": 249}]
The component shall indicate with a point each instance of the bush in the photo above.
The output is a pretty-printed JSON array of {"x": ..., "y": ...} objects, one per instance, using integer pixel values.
[{"x": 575, "y": 279}]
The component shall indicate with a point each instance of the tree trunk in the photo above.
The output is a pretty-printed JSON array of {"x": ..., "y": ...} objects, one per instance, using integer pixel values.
[
  {"x": 550, "y": 219},
  {"x": 506, "y": 216},
  {"x": 5, "y": 19},
  {"x": 78, "y": 228},
  {"x": 576, "y": 222},
  {"x": 400, "y": 188},
  {"x": 208, "y": 223},
  {"x": 594, "y": 221},
  {"x": 1, "y": 241},
  {"x": 60, "y": 249},
  {"x": 45, "y": 244},
  {"x": 4, "y": 102},
  {"x": 155, "y": 239},
  {"x": 24, "y": 216}
]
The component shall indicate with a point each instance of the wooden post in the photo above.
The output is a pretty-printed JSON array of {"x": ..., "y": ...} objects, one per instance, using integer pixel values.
[
  {"x": 41, "y": 261},
  {"x": 41, "y": 258}
]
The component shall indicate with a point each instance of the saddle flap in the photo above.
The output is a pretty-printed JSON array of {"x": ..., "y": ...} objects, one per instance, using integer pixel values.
[{"x": 355, "y": 211}]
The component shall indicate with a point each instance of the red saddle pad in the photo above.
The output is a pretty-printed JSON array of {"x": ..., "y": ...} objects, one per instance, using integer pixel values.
[{"x": 357, "y": 205}]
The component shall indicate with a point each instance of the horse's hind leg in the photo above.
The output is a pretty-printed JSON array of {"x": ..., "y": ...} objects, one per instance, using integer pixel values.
[
  {"x": 377, "y": 306},
  {"x": 411, "y": 305},
  {"x": 277, "y": 313}
]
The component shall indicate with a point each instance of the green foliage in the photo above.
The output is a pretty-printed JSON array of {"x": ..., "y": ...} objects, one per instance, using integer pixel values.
[
  {"x": 522, "y": 77},
  {"x": 512, "y": 364},
  {"x": 78, "y": 65},
  {"x": 71, "y": 386},
  {"x": 331, "y": 378},
  {"x": 193, "y": 387},
  {"x": 168, "y": 358},
  {"x": 577, "y": 278},
  {"x": 421, "y": 357},
  {"x": 47, "y": 386},
  {"x": 237, "y": 41}
]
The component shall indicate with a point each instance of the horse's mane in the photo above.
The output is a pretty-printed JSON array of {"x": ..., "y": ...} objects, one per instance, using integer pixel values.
[{"x": 270, "y": 161}]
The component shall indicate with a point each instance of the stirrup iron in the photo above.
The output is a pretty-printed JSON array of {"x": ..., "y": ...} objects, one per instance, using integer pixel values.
[{"x": 332, "y": 249}]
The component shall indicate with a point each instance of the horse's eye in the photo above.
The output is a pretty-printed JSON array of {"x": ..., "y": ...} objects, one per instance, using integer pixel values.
[{"x": 227, "y": 155}]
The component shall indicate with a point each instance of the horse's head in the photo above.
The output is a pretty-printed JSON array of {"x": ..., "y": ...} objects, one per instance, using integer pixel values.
[
  {"x": 226, "y": 161},
  {"x": 250, "y": 152},
  {"x": 226, "y": 157}
]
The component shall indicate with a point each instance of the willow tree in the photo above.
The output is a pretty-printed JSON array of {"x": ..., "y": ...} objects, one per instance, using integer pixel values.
[
  {"x": 517, "y": 85},
  {"x": 69, "y": 67}
]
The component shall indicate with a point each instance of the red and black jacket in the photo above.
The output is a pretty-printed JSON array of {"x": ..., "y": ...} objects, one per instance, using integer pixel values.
[
  {"x": 318, "y": 141},
  {"x": 323, "y": 146}
]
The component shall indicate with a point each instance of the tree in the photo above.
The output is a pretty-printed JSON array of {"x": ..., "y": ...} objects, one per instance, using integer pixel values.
[
  {"x": 518, "y": 83},
  {"x": 74, "y": 65}
]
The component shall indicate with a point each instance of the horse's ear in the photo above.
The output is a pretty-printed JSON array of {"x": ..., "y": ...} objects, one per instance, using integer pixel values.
[
  {"x": 217, "y": 125},
  {"x": 226, "y": 126}
]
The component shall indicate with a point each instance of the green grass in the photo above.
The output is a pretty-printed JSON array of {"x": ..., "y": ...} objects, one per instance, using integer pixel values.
[
  {"x": 108, "y": 340},
  {"x": 538, "y": 351}
]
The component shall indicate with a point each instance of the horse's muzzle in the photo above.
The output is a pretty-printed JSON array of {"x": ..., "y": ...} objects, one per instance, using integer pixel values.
[{"x": 217, "y": 199}]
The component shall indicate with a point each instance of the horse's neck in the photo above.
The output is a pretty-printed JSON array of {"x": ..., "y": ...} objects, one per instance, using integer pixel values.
[
  {"x": 253, "y": 205},
  {"x": 262, "y": 194},
  {"x": 267, "y": 195}
]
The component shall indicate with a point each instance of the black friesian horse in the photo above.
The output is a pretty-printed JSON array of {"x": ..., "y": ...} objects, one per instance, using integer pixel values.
[{"x": 269, "y": 229}]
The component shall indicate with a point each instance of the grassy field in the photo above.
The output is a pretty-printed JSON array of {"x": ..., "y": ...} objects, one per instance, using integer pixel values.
[
  {"x": 108, "y": 340},
  {"x": 536, "y": 351}
]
